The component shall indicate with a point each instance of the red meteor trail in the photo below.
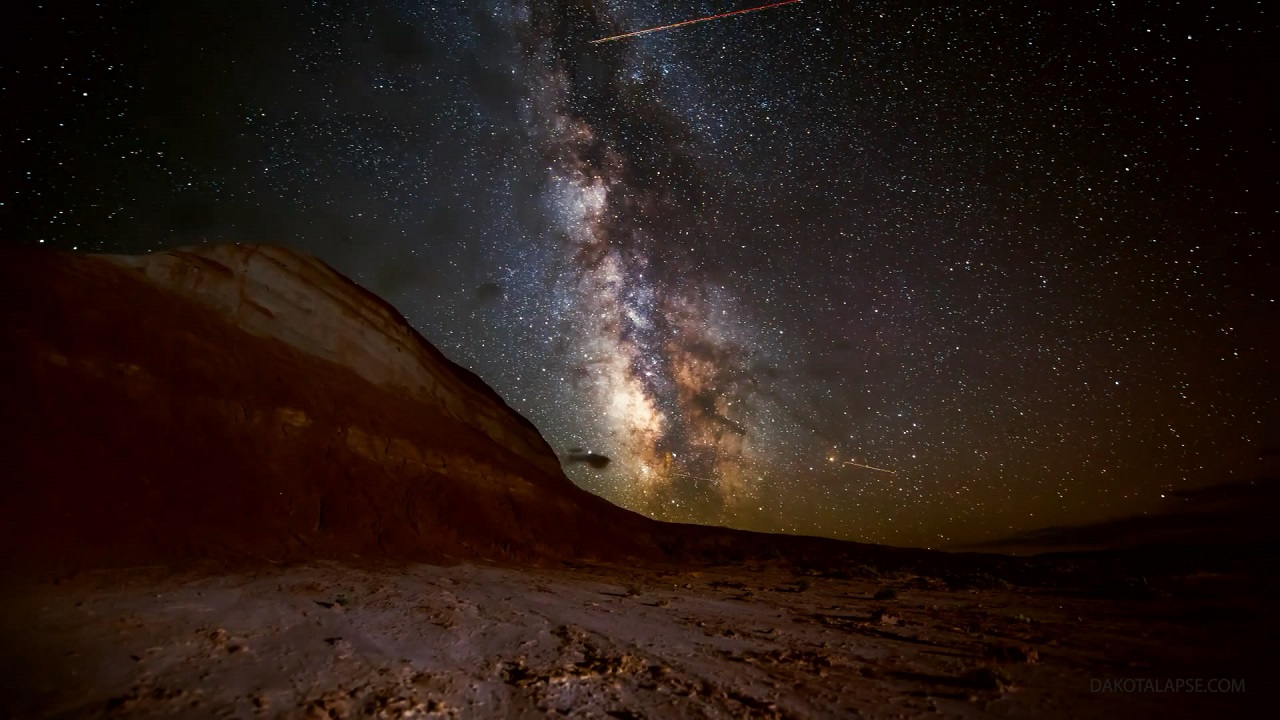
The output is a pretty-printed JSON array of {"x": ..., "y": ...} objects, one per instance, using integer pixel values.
[
  {"x": 690, "y": 22},
  {"x": 891, "y": 472}
]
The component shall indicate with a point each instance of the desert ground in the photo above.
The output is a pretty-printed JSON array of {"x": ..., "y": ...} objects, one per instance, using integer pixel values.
[{"x": 595, "y": 641}]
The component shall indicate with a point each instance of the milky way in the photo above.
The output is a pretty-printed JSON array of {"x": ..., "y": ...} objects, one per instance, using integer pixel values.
[
  {"x": 1020, "y": 257},
  {"x": 666, "y": 363}
]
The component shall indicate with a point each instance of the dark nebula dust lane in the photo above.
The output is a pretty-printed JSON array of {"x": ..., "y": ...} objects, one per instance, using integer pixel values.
[{"x": 880, "y": 271}]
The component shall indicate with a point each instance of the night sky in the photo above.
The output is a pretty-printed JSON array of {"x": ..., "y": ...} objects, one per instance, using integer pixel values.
[{"x": 1021, "y": 254}]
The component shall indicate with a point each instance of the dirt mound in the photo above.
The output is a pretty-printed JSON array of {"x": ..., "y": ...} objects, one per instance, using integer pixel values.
[{"x": 242, "y": 403}]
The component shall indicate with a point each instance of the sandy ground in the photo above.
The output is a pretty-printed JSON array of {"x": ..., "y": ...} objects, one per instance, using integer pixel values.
[{"x": 594, "y": 641}]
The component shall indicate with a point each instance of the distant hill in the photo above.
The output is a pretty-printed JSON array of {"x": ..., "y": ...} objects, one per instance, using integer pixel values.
[{"x": 1236, "y": 514}]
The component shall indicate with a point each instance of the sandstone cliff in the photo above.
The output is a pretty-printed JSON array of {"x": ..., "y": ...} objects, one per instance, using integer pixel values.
[
  {"x": 272, "y": 292},
  {"x": 242, "y": 402}
]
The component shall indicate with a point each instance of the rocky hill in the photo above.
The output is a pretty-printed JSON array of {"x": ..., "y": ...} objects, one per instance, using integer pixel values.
[{"x": 250, "y": 403}]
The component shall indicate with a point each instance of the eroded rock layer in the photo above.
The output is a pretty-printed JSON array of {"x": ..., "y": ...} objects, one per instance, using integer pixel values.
[{"x": 242, "y": 402}]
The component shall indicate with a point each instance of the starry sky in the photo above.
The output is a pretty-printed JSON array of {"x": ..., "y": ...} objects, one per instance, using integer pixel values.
[{"x": 901, "y": 272}]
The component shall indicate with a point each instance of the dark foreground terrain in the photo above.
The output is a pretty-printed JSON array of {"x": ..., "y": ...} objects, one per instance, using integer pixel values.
[{"x": 596, "y": 641}]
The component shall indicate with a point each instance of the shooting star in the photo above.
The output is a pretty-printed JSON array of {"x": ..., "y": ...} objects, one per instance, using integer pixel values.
[
  {"x": 691, "y": 22},
  {"x": 868, "y": 467}
]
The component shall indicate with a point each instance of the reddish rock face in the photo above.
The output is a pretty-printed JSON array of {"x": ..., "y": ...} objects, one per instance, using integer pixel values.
[
  {"x": 275, "y": 293},
  {"x": 242, "y": 403}
]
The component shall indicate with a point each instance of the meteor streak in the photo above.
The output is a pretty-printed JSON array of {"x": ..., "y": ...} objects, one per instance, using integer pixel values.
[
  {"x": 868, "y": 467},
  {"x": 690, "y": 22}
]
